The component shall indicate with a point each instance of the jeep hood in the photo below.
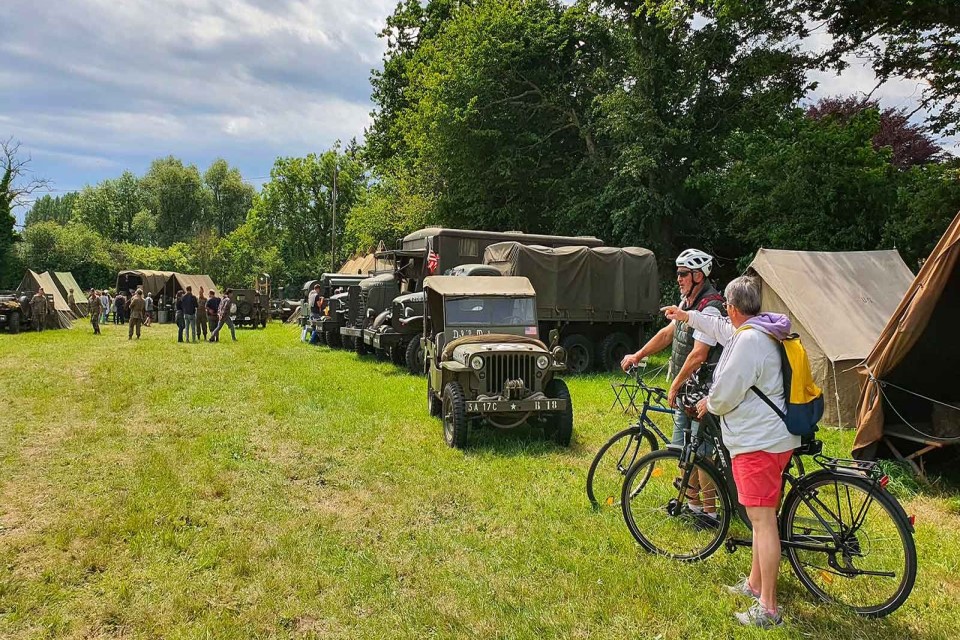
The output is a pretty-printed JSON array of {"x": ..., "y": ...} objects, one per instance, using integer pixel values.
[{"x": 463, "y": 353}]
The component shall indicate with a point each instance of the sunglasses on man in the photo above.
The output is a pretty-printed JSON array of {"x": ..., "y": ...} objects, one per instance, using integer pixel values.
[{"x": 683, "y": 273}]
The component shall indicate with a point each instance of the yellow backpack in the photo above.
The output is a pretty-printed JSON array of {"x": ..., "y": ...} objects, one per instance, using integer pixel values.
[{"x": 804, "y": 397}]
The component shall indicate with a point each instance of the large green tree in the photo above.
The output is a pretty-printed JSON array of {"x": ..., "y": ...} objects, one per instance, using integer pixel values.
[
  {"x": 55, "y": 208},
  {"x": 111, "y": 207},
  {"x": 17, "y": 184},
  {"x": 175, "y": 194},
  {"x": 231, "y": 197},
  {"x": 295, "y": 208}
]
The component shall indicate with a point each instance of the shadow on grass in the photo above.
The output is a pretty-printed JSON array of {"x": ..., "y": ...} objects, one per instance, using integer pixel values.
[{"x": 523, "y": 440}]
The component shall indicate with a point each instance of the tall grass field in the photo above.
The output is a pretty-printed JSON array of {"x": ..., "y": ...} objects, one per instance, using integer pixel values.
[{"x": 269, "y": 489}]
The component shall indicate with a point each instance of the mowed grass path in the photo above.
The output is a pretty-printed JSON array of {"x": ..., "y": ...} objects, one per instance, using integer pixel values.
[{"x": 267, "y": 488}]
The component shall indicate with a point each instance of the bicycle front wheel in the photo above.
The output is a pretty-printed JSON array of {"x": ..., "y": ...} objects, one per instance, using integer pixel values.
[
  {"x": 656, "y": 504},
  {"x": 866, "y": 559},
  {"x": 613, "y": 460}
]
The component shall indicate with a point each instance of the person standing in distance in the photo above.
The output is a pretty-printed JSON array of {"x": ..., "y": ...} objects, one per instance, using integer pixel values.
[
  {"x": 213, "y": 307},
  {"x": 223, "y": 316},
  {"x": 201, "y": 315},
  {"x": 690, "y": 348},
  {"x": 189, "y": 305},
  {"x": 138, "y": 309},
  {"x": 94, "y": 302},
  {"x": 38, "y": 310}
]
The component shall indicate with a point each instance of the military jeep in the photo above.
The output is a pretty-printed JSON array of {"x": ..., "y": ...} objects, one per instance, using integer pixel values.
[
  {"x": 250, "y": 308},
  {"x": 486, "y": 363}
]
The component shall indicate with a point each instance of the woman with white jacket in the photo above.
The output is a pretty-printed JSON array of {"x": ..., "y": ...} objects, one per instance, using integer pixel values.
[{"x": 760, "y": 445}]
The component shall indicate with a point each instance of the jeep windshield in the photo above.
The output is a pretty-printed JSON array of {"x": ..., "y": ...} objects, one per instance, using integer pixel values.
[{"x": 502, "y": 312}]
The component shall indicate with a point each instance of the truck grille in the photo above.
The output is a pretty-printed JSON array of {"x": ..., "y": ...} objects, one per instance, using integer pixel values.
[
  {"x": 361, "y": 309},
  {"x": 510, "y": 366}
]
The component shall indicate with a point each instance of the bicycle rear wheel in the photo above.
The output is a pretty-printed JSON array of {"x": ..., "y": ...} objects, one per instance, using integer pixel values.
[
  {"x": 656, "y": 510},
  {"x": 613, "y": 460},
  {"x": 868, "y": 561}
]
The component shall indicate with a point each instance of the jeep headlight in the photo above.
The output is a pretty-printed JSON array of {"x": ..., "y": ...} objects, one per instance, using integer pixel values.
[
  {"x": 559, "y": 355},
  {"x": 476, "y": 363},
  {"x": 543, "y": 362}
]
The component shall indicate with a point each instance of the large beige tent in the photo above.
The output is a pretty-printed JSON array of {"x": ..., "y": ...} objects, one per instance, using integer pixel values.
[
  {"x": 839, "y": 303},
  {"x": 910, "y": 390},
  {"x": 62, "y": 315},
  {"x": 361, "y": 264},
  {"x": 65, "y": 282}
]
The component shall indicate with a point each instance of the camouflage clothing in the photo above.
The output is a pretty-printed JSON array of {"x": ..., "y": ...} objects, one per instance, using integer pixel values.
[{"x": 38, "y": 311}]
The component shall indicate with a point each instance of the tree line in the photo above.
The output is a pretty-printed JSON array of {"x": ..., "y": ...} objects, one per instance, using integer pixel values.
[{"x": 659, "y": 123}]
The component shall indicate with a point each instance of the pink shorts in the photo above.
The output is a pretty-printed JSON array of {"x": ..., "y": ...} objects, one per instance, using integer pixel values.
[{"x": 758, "y": 476}]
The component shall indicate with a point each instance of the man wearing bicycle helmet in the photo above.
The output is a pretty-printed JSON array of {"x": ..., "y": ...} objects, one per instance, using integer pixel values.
[{"x": 690, "y": 348}]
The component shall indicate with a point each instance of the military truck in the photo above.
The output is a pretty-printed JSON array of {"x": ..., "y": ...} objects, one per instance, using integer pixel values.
[
  {"x": 601, "y": 300},
  {"x": 432, "y": 250},
  {"x": 250, "y": 308},
  {"x": 395, "y": 332},
  {"x": 366, "y": 301},
  {"x": 15, "y": 311},
  {"x": 329, "y": 321},
  {"x": 486, "y": 363}
]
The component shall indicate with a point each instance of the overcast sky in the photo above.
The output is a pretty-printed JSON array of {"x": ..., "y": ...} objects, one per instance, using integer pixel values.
[{"x": 94, "y": 87}]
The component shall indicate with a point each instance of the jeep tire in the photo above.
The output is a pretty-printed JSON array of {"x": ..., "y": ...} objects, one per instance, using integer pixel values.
[
  {"x": 13, "y": 322},
  {"x": 414, "y": 357},
  {"x": 561, "y": 423},
  {"x": 579, "y": 353},
  {"x": 454, "y": 416},
  {"x": 434, "y": 403}
]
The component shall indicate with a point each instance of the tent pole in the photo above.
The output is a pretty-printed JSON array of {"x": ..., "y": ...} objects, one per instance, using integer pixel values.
[{"x": 836, "y": 392}]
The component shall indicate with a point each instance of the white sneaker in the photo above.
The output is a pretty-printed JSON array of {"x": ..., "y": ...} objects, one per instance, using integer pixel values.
[
  {"x": 758, "y": 616},
  {"x": 743, "y": 588}
]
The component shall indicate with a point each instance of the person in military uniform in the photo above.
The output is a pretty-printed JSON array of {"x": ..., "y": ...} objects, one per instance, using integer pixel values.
[
  {"x": 93, "y": 301},
  {"x": 690, "y": 348},
  {"x": 38, "y": 310},
  {"x": 138, "y": 310}
]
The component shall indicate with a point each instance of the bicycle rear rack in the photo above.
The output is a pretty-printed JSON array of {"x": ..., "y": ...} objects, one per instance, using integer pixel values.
[{"x": 867, "y": 468}]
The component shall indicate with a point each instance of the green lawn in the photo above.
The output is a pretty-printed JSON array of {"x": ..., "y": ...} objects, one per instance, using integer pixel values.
[{"x": 267, "y": 488}]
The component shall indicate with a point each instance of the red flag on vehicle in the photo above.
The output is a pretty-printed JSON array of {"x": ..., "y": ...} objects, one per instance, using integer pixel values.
[{"x": 433, "y": 261}]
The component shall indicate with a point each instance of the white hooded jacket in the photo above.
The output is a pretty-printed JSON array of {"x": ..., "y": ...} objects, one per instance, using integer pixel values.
[{"x": 750, "y": 357}]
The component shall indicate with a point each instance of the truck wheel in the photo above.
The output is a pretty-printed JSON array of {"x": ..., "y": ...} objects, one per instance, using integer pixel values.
[
  {"x": 360, "y": 346},
  {"x": 454, "y": 416},
  {"x": 381, "y": 354},
  {"x": 323, "y": 336},
  {"x": 612, "y": 350},
  {"x": 561, "y": 423},
  {"x": 334, "y": 339},
  {"x": 434, "y": 403},
  {"x": 398, "y": 354},
  {"x": 13, "y": 321},
  {"x": 414, "y": 358},
  {"x": 579, "y": 353}
]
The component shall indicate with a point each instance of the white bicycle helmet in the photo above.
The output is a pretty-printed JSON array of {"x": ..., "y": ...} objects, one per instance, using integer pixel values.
[{"x": 694, "y": 259}]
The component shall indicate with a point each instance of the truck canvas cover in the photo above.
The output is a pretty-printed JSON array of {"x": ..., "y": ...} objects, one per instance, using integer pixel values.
[{"x": 598, "y": 283}]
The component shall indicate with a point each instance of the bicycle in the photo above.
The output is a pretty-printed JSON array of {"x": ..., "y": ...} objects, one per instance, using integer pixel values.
[
  {"x": 606, "y": 473},
  {"x": 829, "y": 529}
]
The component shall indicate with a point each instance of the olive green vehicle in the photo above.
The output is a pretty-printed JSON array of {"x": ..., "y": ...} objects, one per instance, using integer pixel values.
[
  {"x": 365, "y": 301},
  {"x": 250, "y": 308},
  {"x": 485, "y": 362},
  {"x": 395, "y": 332}
]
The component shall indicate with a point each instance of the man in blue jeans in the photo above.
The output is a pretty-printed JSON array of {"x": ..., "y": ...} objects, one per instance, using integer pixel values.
[
  {"x": 690, "y": 348},
  {"x": 189, "y": 306},
  {"x": 223, "y": 316}
]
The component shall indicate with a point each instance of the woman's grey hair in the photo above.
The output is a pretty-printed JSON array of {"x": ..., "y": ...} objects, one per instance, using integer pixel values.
[{"x": 744, "y": 294}]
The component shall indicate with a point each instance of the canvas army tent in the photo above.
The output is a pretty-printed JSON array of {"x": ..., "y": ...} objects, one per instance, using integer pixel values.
[
  {"x": 33, "y": 281},
  {"x": 65, "y": 282},
  {"x": 361, "y": 264},
  {"x": 180, "y": 281},
  {"x": 917, "y": 353},
  {"x": 839, "y": 303},
  {"x": 151, "y": 281}
]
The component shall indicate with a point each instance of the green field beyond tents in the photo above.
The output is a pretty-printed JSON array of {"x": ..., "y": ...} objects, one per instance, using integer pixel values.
[{"x": 266, "y": 488}]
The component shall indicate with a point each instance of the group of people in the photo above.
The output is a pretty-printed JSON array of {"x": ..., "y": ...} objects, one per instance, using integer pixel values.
[
  {"x": 707, "y": 328},
  {"x": 194, "y": 314},
  {"x": 135, "y": 311}
]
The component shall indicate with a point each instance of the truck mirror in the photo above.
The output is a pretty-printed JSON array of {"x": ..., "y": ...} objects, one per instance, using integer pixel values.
[{"x": 554, "y": 338}]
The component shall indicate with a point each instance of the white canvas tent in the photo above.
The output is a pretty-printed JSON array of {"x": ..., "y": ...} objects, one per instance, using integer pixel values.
[{"x": 839, "y": 302}]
